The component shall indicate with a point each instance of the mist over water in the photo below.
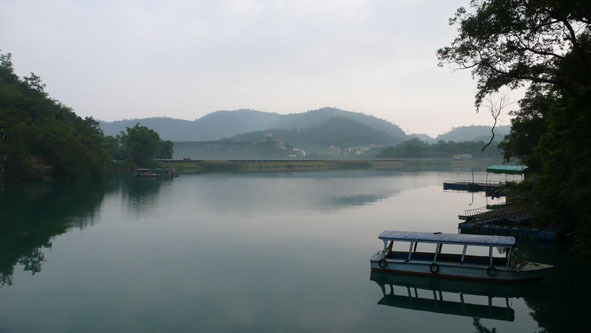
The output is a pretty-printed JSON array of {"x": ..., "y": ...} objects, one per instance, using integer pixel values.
[{"x": 254, "y": 252}]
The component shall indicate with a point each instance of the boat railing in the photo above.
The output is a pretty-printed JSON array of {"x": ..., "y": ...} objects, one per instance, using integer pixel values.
[{"x": 476, "y": 211}]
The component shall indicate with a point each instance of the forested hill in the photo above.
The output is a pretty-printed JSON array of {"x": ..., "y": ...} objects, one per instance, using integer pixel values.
[
  {"x": 335, "y": 131},
  {"x": 37, "y": 133},
  {"x": 319, "y": 116},
  {"x": 473, "y": 133},
  {"x": 224, "y": 124}
]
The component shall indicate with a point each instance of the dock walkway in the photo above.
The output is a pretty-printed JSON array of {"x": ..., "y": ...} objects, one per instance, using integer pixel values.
[{"x": 472, "y": 186}]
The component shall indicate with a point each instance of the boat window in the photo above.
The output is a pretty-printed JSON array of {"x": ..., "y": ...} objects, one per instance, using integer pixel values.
[
  {"x": 451, "y": 252},
  {"x": 423, "y": 251},
  {"x": 479, "y": 255},
  {"x": 474, "y": 250},
  {"x": 401, "y": 246},
  {"x": 452, "y": 248},
  {"x": 424, "y": 248}
]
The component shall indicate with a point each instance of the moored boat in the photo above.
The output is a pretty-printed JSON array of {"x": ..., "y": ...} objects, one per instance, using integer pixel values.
[{"x": 453, "y": 265}]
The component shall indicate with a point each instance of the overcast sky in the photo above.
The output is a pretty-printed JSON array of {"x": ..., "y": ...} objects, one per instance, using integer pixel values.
[{"x": 122, "y": 59}]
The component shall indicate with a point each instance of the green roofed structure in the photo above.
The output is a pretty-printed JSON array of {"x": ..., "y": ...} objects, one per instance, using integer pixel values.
[{"x": 507, "y": 169}]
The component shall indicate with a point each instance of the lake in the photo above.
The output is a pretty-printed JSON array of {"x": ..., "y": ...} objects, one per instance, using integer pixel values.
[{"x": 252, "y": 252}]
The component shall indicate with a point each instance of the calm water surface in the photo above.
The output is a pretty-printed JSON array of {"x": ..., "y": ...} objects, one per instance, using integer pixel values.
[{"x": 253, "y": 252}]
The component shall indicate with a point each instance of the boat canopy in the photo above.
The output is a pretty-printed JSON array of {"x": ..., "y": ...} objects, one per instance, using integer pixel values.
[
  {"x": 508, "y": 169},
  {"x": 429, "y": 237}
]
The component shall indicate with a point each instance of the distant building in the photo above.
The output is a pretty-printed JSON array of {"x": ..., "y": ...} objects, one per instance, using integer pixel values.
[
  {"x": 298, "y": 152},
  {"x": 334, "y": 151},
  {"x": 358, "y": 150}
]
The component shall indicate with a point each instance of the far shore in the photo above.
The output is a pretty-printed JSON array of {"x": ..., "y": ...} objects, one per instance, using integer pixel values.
[{"x": 276, "y": 165}]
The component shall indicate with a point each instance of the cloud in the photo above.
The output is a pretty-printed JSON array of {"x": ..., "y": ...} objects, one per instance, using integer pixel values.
[{"x": 126, "y": 59}]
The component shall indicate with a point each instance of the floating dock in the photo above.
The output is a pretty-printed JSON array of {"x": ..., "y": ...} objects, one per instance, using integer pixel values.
[
  {"x": 508, "y": 221},
  {"x": 481, "y": 186}
]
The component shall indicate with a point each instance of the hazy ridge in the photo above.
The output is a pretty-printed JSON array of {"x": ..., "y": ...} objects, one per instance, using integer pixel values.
[{"x": 241, "y": 133}]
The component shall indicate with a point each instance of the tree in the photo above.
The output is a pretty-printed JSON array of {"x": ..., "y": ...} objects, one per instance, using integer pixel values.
[
  {"x": 495, "y": 106},
  {"x": 33, "y": 127},
  {"x": 517, "y": 42},
  {"x": 142, "y": 145},
  {"x": 544, "y": 45}
]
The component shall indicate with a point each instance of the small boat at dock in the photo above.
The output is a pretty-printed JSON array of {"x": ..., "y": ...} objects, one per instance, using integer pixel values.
[
  {"x": 438, "y": 263},
  {"x": 156, "y": 173}
]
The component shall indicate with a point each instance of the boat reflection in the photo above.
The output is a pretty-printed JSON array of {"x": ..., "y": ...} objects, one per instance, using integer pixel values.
[{"x": 454, "y": 297}]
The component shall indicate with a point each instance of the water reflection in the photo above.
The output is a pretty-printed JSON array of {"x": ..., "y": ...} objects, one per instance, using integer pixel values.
[
  {"x": 359, "y": 199},
  {"x": 566, "y": 306},
  {"x": 31, "y": 215},
  {"x": 453, "y": 297},
  {"x": 256, "y": 252},
  {"x": 142, "y": 194},
  {"x": 292, "y": 193}
]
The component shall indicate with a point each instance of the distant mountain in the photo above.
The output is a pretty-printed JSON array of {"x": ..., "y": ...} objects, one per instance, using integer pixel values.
[
  {"x": 223, "y": 124},
  {"x": 167, "y": 128},
  {"x": 213, "y": 126},
  {"x": 474, "y": 133}
]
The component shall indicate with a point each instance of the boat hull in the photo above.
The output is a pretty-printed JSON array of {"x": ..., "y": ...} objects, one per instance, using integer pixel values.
[{"x": 465, "y": 271}]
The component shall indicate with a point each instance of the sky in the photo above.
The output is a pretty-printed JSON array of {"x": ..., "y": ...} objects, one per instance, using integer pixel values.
[{"x": 116, "y": 60}]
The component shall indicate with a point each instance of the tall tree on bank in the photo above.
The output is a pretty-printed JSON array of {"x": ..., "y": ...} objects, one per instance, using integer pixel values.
[
  {"x": 545, "y": 46},
  {"x": 34, "y": 127},
  {"x": 142, "y": 145}
]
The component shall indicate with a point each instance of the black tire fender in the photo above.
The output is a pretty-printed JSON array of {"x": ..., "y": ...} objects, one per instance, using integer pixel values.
[
  {"x": 382, "y": 263},
  {"x": 434, "y": 268}
]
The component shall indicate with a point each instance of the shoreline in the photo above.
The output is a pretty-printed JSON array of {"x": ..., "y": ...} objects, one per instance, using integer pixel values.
[{"x": 268, "y": 165}]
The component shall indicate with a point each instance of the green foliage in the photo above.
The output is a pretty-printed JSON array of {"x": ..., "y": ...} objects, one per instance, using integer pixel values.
[
  {"x": 512, "y": 43},
  {"x": 142, "y": 145},
  {"x": 546, "y": 45},
  {"x": 37, "y": 132},
  {"x": 416, "y": 148}
]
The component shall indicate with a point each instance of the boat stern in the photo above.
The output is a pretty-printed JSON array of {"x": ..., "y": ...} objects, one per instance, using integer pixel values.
[{"x": 375, "y": 258}]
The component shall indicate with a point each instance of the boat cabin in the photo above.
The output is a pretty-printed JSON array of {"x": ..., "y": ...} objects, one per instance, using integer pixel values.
[{"x": 440, "y": 241}]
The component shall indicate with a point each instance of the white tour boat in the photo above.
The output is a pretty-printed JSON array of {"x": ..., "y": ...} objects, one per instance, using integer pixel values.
[{"x": 462, "y": 266}]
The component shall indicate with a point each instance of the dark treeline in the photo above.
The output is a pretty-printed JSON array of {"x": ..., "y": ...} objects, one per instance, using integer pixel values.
[
  {"x": 40, "y": 136},
  {"x": 36, "y": 130},
  {"x": 545, "y": 46},
  {"x": 443, "y": 149}
]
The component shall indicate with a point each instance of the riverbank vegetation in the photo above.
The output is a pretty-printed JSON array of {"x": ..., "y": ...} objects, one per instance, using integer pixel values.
[
  {"x": 41, "y": 137},
  {"x": 416, "y": 148},
  {"x": 138, "y": 146},
  {"x": 544, "y": 46}
]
